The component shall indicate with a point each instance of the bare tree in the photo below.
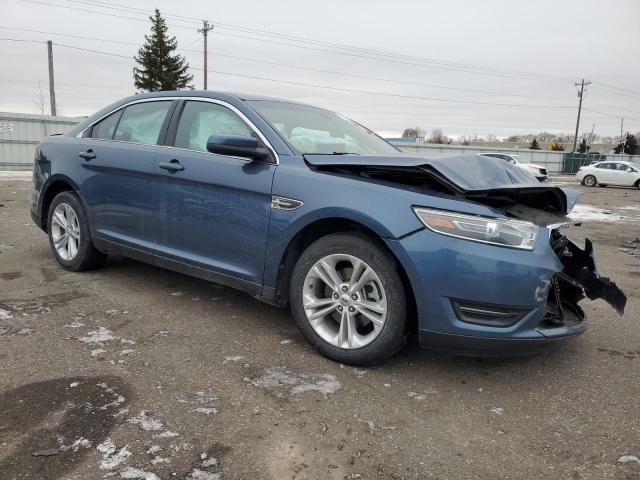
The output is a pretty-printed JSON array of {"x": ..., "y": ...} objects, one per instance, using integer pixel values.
[
  {"x": 437, "y": 136},
  {"x": 413, "y": 132},
  {"x": 38, "y": 100}
]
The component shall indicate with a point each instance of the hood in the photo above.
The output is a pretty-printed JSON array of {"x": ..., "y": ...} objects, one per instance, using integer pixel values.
[{"x": 487, "y": 180}]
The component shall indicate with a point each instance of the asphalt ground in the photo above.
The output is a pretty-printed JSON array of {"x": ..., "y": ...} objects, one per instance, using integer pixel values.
[{"x": 131, "y": 371}]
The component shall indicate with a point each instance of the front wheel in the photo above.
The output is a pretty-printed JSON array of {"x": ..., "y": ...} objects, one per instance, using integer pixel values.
[
  {"x": 589, "y": 181},
  {"x": 69, "y": 234},
  {"x": 349, "y": 300}
]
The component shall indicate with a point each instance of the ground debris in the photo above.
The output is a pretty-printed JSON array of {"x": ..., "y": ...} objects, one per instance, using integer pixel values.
[{"x": 297, "y": 383}]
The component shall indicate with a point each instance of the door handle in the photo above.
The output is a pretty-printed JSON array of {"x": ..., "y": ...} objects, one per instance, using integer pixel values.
[
  {"x": 173, "y": 166},
  {"x": 88, "y": 155}
]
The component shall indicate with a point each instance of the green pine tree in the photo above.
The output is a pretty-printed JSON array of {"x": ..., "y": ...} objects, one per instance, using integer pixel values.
[
  {"x": 629, "y": 145},
  {"x": 534, "y": 145},
  {"x": 158, "y": 68},
  {"x": 583, "y": 147}
]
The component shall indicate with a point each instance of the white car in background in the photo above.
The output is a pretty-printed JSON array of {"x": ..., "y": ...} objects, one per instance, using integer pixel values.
[
  {"x": 610, "y": 173},
  {"x": 536, "y": 170}
]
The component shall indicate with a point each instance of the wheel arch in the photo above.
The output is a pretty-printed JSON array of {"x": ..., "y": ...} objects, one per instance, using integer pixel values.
[
  {"x": 327, "y": 226},
  {"x": 55, "y": 184}
]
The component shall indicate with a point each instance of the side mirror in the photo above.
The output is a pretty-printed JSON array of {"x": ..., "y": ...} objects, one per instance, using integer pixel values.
[
  {"x": 629, "y": 169},
  {"x": 237, "y": 146}
]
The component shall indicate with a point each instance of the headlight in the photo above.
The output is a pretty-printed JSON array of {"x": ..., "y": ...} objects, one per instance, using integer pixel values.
[{"x": 496, "y": 231}]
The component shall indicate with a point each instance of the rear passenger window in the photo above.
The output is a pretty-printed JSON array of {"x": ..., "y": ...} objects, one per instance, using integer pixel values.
[
  {"x": 200, "y": 120},
  {"x": 104, "y": 128},
  {"x": 142, "y": 122}
]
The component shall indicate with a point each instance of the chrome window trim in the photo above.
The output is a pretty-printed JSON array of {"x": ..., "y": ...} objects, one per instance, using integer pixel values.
[{"x": 222, "y": 103}]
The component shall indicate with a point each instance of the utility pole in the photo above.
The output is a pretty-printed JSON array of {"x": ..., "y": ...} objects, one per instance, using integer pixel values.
[
  {"x": 580, "y": 94},
  {"x": 52, "y": 88},
  {"x": 206, "y": 28}
]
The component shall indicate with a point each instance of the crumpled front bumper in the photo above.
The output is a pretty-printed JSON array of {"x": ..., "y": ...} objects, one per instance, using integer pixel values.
[{"x": 516, "y": 302}]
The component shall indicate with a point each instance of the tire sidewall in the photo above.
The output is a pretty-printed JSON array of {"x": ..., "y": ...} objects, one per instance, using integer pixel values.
[
  {"x": 85, "y": 234},
  {"x": 393, "y": 335}
]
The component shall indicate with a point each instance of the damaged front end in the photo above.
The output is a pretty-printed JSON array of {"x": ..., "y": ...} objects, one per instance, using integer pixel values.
[
  {"x": 508, "y": 190},
  {"x": 578, "y": 279}
]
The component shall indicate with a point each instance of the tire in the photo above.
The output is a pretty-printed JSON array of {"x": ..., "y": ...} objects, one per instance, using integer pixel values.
[
  {"x": 637, "y": 184},
  {"x": 589, "y": 181},
  {"x": 80, "y": 253},
  {"x": 373, "y": 337}
]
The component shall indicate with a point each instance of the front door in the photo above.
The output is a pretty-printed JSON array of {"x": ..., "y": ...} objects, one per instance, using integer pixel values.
[{"x": 212, "y": 210}]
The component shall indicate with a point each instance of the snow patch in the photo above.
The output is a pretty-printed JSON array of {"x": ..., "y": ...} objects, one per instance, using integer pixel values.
[
  {"x": 75, "y": 324},
  {"x": 167, "y": 434},
  {"x": 207, "y": 410},
  {"x": 146, "y": 423},
  {"x": 588, "y": 213},
  {"x": 628, "y": 459},
  {"x": 98, "y": 336},
  {"x": 198, "y": 474},
  {"x": 136, "y": 473},
  {"x": 235, "y": 358},
  {"x": 97, "y": 351},
  {"x": 5, "y": 314},
  {"x": 75, "y": 446},
  {"x": 298, "y": 382},
  {"x": 115, "y": 403},
  {"x": 111, "y": 457},
  {"x": 416, "y": 396}
]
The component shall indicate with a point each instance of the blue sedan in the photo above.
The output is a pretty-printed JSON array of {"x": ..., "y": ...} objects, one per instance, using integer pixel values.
[{"x": 300, "y": 206}]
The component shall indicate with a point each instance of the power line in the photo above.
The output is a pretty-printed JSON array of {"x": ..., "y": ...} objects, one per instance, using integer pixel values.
[
  {"x": 329, "y": 87},
  {"x": 392, "y": 58},
  {"x": 299, "y": 67},
  {"x": 325, "y": 43},
  {"x": 623, "y": 90}
]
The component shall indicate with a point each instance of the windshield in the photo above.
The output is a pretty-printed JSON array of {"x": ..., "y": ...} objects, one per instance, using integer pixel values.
[
  {"x": 516, "y": 159},
  {"x": 310, "y": 130}
]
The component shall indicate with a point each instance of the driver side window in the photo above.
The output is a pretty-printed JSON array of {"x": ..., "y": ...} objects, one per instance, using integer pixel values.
[{"x": 200, "y": 120}]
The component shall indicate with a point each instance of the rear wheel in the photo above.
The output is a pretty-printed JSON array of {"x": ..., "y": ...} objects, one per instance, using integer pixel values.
[
  {"x": 589, "y": 181},
  {"x": 637, "y": 184},
  {"x": 69, "y": 234},
  {"x": 348, "y": 299}
]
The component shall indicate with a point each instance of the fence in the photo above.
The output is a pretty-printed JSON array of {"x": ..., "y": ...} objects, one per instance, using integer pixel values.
[
  {"x": 555, "y": 162},
  {"x": 20, "y": 133}
]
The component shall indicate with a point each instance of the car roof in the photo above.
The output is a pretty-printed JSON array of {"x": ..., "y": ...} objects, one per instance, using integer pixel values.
[
  {"x": 243, "y": 97},
  {"x": 497, "y": 153}
]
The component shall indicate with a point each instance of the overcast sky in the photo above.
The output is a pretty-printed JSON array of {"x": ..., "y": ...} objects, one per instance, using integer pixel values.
[{"x": 491, "y": 52}]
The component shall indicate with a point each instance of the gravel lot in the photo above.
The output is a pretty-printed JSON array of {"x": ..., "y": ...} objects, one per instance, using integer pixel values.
[{"x": 136, "y": 372}]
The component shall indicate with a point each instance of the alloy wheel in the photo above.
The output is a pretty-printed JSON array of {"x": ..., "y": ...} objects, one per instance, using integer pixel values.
[
  {"x": 589, "y": 180},
  {"x": 65, "y": 231},
  {"x": 344, "y": 301}
]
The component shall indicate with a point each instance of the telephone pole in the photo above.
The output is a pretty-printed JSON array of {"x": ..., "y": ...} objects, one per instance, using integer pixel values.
[
  {"x": 52, "y": 89},
  {"x": 580, "y": 94},
  {"x": 206, "y": 28}
]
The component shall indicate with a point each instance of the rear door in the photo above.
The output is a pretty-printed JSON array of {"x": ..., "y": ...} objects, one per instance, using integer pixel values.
[
  {"x": 605, "y": 173},
  {"x": 119, "y": 161},
  {"x": 622, "y": 176},
  {"x": 213, "y": 213}
]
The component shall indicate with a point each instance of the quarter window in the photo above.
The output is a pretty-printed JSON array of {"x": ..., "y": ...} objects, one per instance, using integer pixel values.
[
  {"x": 104, "y": 128},
  {"x": 142, "y": 122},
  {"x": 200, "y": 120}
]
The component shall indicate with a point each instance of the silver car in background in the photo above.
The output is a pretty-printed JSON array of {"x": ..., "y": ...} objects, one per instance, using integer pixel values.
[
  {"x": 610, "y": 173},
  {"x": 536, "y": 170}
]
